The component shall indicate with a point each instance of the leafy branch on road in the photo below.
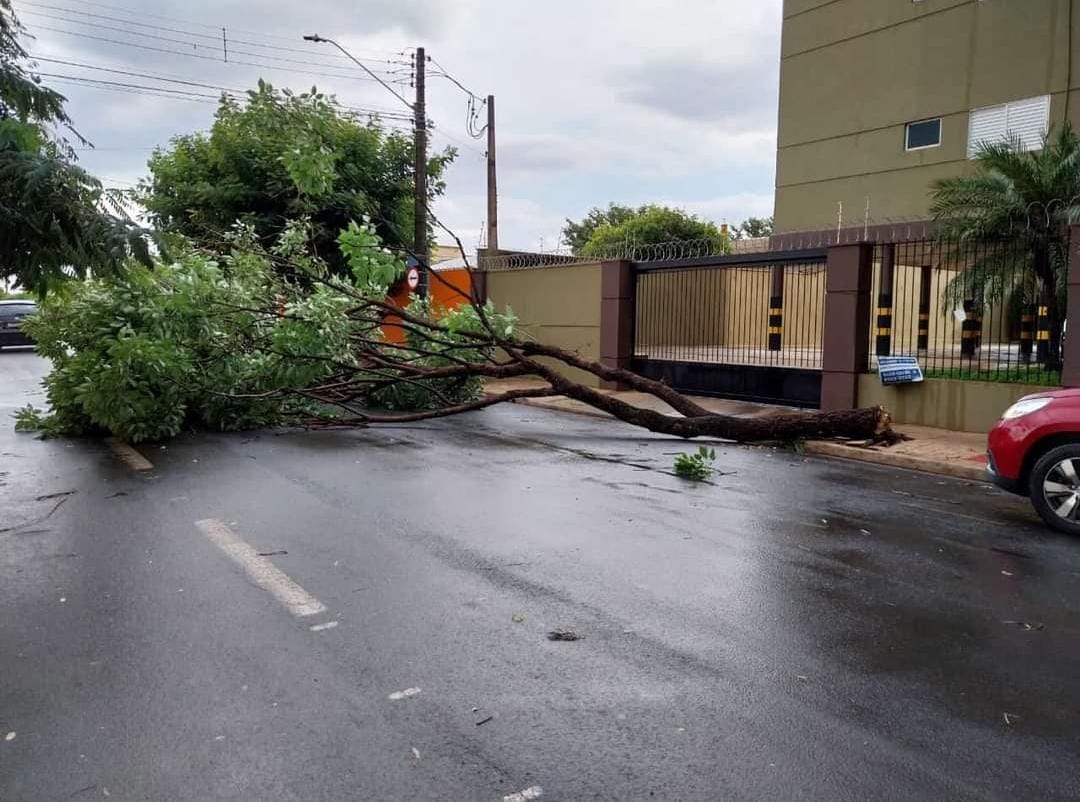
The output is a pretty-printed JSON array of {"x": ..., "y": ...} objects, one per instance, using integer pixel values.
[{"x": 697, "y": 466}]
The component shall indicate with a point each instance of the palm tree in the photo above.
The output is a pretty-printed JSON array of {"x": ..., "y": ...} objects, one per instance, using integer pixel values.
[{"x": 1026, "y": 200}]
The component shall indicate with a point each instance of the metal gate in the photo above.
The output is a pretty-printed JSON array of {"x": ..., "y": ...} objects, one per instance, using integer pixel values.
[{"x": 747, "y": 326}]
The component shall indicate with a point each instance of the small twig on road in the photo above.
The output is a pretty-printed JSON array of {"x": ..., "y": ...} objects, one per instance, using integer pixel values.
[
  {"x": 56, "y": 495},
  {"x": 43, "y": 518}
]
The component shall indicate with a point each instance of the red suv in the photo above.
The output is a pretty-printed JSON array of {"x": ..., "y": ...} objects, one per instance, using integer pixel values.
[{"x": 1034, "y": 450}]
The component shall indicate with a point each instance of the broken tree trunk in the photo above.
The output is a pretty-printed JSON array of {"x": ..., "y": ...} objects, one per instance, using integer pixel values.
[{"x": 435, "y": 357}]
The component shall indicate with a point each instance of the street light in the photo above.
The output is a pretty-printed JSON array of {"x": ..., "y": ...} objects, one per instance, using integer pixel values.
[{"x": 314, "y": 37}]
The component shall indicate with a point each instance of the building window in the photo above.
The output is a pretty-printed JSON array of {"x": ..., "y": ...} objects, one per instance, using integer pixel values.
[
  {"x": 1027, "y": 120},
  {"x": 923, "y": 134}
]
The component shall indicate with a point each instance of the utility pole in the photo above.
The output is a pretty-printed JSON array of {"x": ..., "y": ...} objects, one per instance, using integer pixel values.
[
  {"x": 420, "y": 232},
  {"x": 492, "y": 188}
]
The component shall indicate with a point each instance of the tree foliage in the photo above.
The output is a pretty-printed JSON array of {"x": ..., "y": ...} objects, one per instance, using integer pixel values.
[
  {"x": 22, "y": 96},
  {"x": 648, "y": 225},
  {"x": 1027, "y": 197},
  {"x": 279, "y": 157},
  {"x": 577, "y": 234},
  {"x": 753, "y": 227},
  {"x": 56, "y": 220},
  {"x": 228, "y": 340}
]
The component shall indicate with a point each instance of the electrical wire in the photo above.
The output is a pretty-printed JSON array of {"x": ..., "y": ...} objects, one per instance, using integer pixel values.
[
  {"x": 215, "y": 48},
  {"x": 476, "y": 104},
  {"x": 147, "y": 15},
  {"x": 454, "y": 140},
  {"x": 353, "y": 77},
  {"x": 176, "y": 94},
  {"x": 220, "y": 35},
  {"x": 369, "y": 110}
]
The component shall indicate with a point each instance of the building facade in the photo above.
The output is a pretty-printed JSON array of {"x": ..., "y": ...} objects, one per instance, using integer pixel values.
[{"x": 878, "y": 98}]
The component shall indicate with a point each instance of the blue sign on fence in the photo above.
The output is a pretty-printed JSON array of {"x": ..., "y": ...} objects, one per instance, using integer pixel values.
[{"x": 899, "y": 369}]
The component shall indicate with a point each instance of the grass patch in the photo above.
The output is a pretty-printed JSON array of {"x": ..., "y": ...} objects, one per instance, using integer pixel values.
[{"x": 1014, "y": 375}]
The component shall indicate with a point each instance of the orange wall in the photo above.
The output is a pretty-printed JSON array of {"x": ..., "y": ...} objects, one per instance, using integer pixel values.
[{"x": 445, "y": 287}]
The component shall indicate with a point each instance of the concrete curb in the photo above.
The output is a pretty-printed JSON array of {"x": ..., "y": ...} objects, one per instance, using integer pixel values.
[
  {"x": 820, "y": 448},
  {"x": 957, "y": 470}
]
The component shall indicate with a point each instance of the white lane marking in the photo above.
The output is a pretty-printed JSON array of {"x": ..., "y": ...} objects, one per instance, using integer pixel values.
[
  {"x": 321, "y": 627},
  {"x": 405, "y": 694},
  {"x": 261, "y": 570},
  {"x": 532, "y": 792},
  {"x": 130, "y": 457}
]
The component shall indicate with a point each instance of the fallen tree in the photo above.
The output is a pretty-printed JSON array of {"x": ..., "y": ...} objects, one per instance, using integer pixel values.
[{"x": 246, "y": 336}]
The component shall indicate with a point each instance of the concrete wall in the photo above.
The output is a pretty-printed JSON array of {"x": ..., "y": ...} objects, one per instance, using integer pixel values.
[
  {"x": 966, "y": 406},
  {"x": 557, "y": 305},
  {"x": 853, "y": 72}
]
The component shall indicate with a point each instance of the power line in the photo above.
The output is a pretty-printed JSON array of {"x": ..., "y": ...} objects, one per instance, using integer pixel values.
[
  {"x": 387, "y": 113},
  {"x": 215, "y": 48},
  {"x": 278, "y": 68},
  {"x": 177, "y": 94},
  {"x": 147, "y": 15},
  {"x": 219, "y": 35},
  {"x": 475, "y": 106},
  {"x": 461, "y": 142}
]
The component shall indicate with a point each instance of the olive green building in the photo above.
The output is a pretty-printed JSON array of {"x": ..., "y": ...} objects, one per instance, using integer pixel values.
[{"x": 880, "y": 97}]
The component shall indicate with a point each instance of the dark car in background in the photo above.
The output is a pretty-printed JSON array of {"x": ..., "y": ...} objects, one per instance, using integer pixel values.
[{"x": 12, "y": 314}]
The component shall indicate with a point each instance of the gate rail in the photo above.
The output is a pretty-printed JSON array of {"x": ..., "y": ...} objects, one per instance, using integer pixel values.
[{"x": 745, "y": 326}]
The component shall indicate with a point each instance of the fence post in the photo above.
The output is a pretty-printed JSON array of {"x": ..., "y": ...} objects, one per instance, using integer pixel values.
[
  {"x": 617, "y": 296},
  {"x": 846, "y": 340},
  {"x": 969, "y": 330},
  {"x": 1070, "y": 369},
  {"x": 926, "y": 278},
  {"x": 776, "y": 309},
  {"x": 883, "y": 330}
]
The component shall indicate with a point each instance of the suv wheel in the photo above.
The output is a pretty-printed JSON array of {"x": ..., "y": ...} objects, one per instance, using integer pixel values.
[{"x": 1055, "y": 488}]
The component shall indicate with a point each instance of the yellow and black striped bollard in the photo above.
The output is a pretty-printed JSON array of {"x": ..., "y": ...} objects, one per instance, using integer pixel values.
[{"x": 1042, "y": 334}]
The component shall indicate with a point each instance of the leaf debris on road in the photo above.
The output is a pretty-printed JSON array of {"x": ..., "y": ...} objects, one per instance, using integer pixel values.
[
  {"x": 1039, "y": 627},
  {"x": 532, "y": 792}
]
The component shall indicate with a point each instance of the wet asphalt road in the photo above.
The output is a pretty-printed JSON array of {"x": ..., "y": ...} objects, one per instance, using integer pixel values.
[{"x": 799, "y": 629}]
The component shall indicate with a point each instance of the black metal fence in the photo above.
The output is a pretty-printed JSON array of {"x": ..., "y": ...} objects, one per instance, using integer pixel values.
[
  {"x": 967, "y": 310},
  {"x": 743, "y": 326}
]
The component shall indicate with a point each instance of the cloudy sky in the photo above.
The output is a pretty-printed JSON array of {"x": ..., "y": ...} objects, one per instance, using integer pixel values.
[{"x": 599, "y": 100}]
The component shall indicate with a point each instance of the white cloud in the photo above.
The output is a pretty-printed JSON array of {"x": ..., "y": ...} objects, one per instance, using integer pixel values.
[{"x": 607, "y": 100}]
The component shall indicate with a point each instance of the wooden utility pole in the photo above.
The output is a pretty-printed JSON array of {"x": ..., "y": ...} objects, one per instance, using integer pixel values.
[
  {"x": 492, "y": 188},
  {"x": 420, "y": 231}
]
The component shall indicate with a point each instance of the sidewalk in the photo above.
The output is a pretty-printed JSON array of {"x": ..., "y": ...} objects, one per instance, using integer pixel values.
[{"x": 958, "y": 454}]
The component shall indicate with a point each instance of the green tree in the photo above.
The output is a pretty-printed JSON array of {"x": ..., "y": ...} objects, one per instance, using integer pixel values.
[
  {"x": 753, "y": 227},
  {"x": 56, "y": 221},
  {"x": 577, "y": 234},
  {"x": 279, "y": 157},
  {"x": 1024, "y": 196},
  {"x": 653, "y": 225}
]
